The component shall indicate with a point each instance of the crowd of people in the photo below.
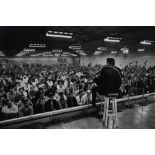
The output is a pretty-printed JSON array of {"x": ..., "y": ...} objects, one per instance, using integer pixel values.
[
  {"x": 27, "y": 89},
  {"x": 138, "y": 79}
]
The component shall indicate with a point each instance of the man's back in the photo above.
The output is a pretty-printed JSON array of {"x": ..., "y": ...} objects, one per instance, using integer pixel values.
[{"x": 109, "y": 80}]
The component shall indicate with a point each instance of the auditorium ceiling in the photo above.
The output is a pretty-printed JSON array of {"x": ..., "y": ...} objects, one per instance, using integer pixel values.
[{"x": 15, "y": 38}]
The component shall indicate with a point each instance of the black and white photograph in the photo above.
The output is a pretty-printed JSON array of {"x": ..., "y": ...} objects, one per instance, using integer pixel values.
[{"x": 77, "y": 77}]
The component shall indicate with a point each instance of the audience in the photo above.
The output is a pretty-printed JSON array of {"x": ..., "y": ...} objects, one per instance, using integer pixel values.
[{"x": 36, "y": 88}]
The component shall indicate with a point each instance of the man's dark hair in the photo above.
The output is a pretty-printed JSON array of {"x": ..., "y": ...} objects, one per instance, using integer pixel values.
[{"x": 111, "y": 61}]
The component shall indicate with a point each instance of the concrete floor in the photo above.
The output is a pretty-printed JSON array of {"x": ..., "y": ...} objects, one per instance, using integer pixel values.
[{"x": 135, "y": 117}]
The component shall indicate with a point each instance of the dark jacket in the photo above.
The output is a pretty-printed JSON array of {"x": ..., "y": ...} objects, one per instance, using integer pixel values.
[
  {"x": 71, "y": 101},
  {"x": 109, "y": 80}
]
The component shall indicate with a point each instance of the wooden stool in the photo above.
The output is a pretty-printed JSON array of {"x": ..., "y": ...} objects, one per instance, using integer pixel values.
[
  {"x": 113, "y": 112},
  {"x": 102, "y": 111}
]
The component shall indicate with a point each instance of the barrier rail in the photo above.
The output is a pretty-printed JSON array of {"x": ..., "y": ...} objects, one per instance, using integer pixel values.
[{"x": 49, "y": 116}]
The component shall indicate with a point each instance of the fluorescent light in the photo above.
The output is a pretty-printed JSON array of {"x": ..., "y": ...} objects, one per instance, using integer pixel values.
[
  {"x": 82, "y": 53},
  {"x": 65, "y": 53},
  {"x": 112, "y": 39},
  {"x": 38, "y": 45},
  {"x": 74, "y": 55},
  {"x": 58, "y": 36},
  {"x": 113, "y": 52},
  {"x": 2, "y": 54},
  {"x": 56, "y": 51},
  {"x": 102, "y": 48},
  {"x": 75, "y": 47},
  {"x": 47, "y": 52},
  {"x": 126, "y": 51},
  {"x": 146, "y": 42},
  {"x": 40, "y": 54},
  {"x": 28, "y": 50},
  {"x": 34, "y": 55},
  {"x": 141, "y": 50},
  {"x": 56, "y": 54},
  {"x": 97, "y": 52},
  {"x": 70, "y": 33},
  {"x": 79, "y": 51},
  {"x": 55, "y": 32}
]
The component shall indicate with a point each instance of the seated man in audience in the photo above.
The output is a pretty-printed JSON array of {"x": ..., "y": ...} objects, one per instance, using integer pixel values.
[
  {"x": 11, "y": 95},
  {"x": 27, "y": 87},
  {"x": 3, "y": 102},
  {"x": 32, "y": 92},
  {"x": 26, "y": 109},
  {"x": 82, "y": 98},
  {"x": 49, "y": 104},
  {"x": 52, "y": 104},
  {"x": 68, "y": 88},
  {"x": 20, "y": 94},
  {"x": 2, "y": 90},
  {"x": 60, "y": 86},
  {"x": 10, "y": 110},
  {"x": 62, "y": 100},
  {"x": 50, "y": 91},
  {"x": 40, "y": 101},
  {"x": 50, "y": 82},
  {"x": 71, "y": 100}
]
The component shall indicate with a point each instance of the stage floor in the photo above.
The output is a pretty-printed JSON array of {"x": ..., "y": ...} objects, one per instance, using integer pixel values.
[{"x": 134, "y": 117}]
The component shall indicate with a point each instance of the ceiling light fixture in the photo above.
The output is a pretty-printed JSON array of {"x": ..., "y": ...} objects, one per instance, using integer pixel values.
[
  {"x": 79, "y": 51},
  {"x": 97, "y": 52},
  {"x": 112, "y": 39},
  {"x": 113, "y": 52},
  {"x": 83, "y": 54},
  {"x": 38, "y": 45},
  {"x": 140, "y": 50},
  {"x": 55, "y": 34},
  {"x": 75, "y": 47},
  {"x": 146, "y": 42},
  {"x": 56, "y": 51},
  {"x": 2, "y": 54},
  {"x": 102, "y": 48}
]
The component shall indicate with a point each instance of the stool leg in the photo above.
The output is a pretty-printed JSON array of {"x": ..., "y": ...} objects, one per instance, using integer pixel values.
[
  {"x": 104, "y": 110},
  {"x": 116, "y": 121},
  {"x": 101, "y": 110},
  {"x": 106, "y": 113},
  {"x": 113, "y": 111}
]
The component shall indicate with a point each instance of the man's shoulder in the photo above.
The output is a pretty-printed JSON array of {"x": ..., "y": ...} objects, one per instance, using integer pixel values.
[
  {"x": 112, "y": 67},
  {"x": 117, "y": 68},
  {"x": 106, "y": 68}
]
